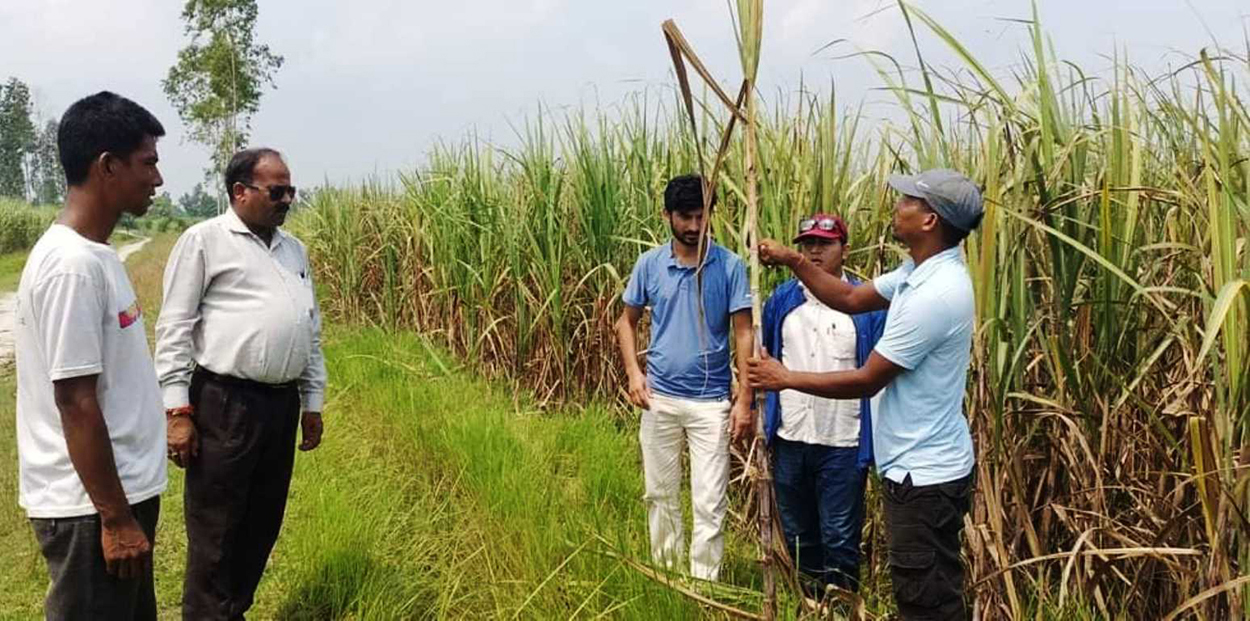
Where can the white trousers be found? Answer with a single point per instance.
(665, 427)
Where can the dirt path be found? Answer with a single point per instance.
(8, 303)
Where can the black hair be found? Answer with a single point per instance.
(684, 194)
(243, 164)
(951, 234)
(99, 123)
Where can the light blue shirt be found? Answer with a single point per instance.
(920, 429)
(686, 359)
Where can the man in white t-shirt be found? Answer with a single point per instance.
(90, 430)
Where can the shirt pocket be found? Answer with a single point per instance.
(842, 342)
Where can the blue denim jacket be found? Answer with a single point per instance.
(868, 328)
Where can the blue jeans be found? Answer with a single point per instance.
(820, 495)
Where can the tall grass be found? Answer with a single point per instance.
(1108, 391)
(21, 224)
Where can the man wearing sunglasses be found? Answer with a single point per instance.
(238, 356)
(921, 442)
(821, 447)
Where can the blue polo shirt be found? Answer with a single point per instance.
(920, 427)
(685, 359)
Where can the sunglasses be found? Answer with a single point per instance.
(276, 192)
(824, 224)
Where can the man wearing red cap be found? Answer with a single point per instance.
(822, 448)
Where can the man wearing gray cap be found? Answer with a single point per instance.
(921, 440)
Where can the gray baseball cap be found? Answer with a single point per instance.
(952, 195)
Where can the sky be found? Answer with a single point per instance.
(368, 86)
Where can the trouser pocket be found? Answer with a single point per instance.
(913, 569)
(923, 524)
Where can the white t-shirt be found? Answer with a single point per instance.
(77, 315)
(818, 339)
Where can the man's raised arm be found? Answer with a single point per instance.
(829, 289)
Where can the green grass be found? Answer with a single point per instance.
(11, 264)
(24, 578)
(435, 495)
(21, 224)
(442, 496)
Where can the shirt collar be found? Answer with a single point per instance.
(929, 267)
(235, 224)
(670, 257)
(811, 299)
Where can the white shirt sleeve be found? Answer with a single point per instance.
(312, 382)
(71, 310)
(184, 285)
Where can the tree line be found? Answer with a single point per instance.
(215, 84)
(30, 169)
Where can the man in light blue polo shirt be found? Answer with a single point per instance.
(685, 391)
(923, 447)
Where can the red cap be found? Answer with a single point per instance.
(822, 225)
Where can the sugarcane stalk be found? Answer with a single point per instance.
(763, 465)
(750, 18)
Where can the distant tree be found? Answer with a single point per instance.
(197, 203)
(47, 176)
(162, 207)
(216, 83)
(17, 137)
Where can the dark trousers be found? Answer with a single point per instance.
(923, 525)
(81, 587)
(820, 496)
(235, 490)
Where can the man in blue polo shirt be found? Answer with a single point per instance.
(685, 391)
(920, 436)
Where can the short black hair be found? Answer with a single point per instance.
(951, 234)
(685, 194)
(243, 164)
(99, 123)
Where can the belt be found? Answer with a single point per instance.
(231, 380)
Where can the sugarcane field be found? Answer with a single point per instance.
(785, 310)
